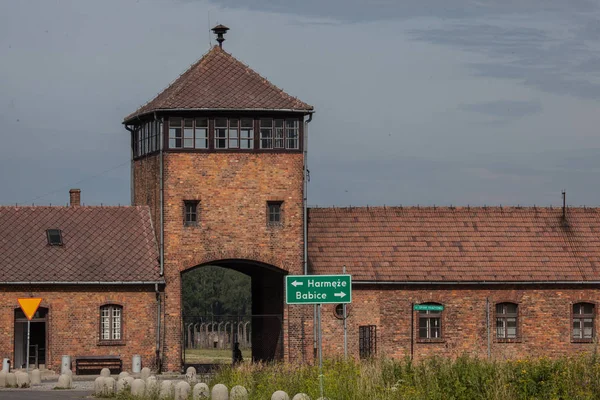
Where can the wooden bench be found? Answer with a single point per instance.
(92, 365)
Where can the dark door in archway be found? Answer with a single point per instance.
(37, 338)
(227, 303)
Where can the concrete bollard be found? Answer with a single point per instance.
(6, 365)
(200, 391)
(22, 379)
(219, 392)
(145, 373)
(138, 388)
(11, 379)
(190, 375)
(105, 372)
(152, 387)
(280, 395)
(136, 364)
(123, 385)
(166, 389)
(238, 393)
(182, 390)
(108, 390)
(301, 396)
(98, 386)
(36, 377)
(65, 364)
(2, 379)
(123, 374)
(64, 382)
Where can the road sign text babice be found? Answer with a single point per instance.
(318, 289)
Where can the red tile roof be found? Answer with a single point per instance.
(456, 244)
(101, 244)
(218, 81)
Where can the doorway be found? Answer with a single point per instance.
(37, 339)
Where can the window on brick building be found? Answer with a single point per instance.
(583, 321)
(279, 133)
(430, 321)
(506, 320)
(190, 217)
(188, 133)
(111, 322)
(367, 341)
(274, 211)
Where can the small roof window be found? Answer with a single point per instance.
(54, 237)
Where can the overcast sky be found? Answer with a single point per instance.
(417, 102)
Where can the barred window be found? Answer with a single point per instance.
(583, 321)
(274, 212)
(506, 320)
(367, 341)
(111, 327)
(190, 212)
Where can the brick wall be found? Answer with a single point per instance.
(233, 190)
(73, 326)
(544, 321)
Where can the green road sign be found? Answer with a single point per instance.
(428, 307)
(318, 289)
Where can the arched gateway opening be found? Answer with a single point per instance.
(227, 302)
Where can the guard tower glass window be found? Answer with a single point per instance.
(279, 133)
(191, 212)
(274, 212)
(266, 133)
(506, 320)
(146, 138)
(291, 133)
(111, 327)
(201, 133)
(430, 323)
(221, 131)
(583, 321)
(175, 133)
(247, 134)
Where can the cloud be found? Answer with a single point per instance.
(508, 109)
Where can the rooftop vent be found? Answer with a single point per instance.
(220, 30)
(54, 237)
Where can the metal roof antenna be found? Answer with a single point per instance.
(220, 30)
(564, 196)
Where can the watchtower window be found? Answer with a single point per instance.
(279, 133)
(191, 212)
(188, 133)
(274, 212)
(54, 237)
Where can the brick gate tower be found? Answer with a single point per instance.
(219, 157)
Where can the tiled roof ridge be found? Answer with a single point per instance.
(187, 70)
(452, 208)
(174, 88)
(67, 206)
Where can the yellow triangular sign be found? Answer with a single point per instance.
(29, 306)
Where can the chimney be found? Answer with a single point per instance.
(75, 197)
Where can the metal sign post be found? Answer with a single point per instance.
(318, 290)
(29, 307)
(345, 324)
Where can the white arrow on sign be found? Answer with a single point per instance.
(340, 294)
(296, 283)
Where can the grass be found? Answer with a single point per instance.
(464, 378)
(213, 356)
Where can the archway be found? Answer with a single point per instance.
(231, 301)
